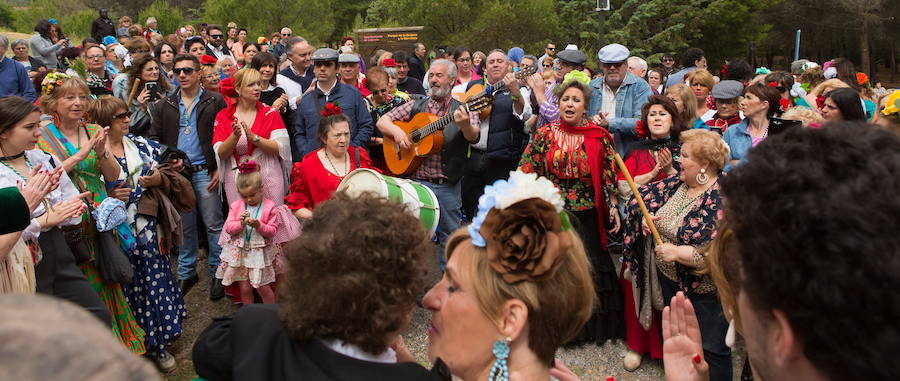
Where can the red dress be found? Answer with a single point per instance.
(638, 163)
(311, 183)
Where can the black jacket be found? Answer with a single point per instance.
(102, 27)
(416, 68)
(253, 345)
(165, 125)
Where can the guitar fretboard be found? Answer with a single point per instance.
(432, 127)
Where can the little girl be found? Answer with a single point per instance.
(250, 255)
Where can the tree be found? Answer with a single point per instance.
(168, 18)
(313, 19)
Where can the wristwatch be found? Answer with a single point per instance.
(256, 139)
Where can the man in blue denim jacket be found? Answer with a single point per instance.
(618, 97)
(325, 89)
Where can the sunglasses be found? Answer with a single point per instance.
(285, 34)
(185, 70)
(216, 36)
(546, 65)
(554, 49)
(122, 115)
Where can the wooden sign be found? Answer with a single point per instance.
(388, 39)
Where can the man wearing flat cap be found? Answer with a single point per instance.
(568, 60)
(348, 71)
(324, 89)
(618, 97)
(727, 95)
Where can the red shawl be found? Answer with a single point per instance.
(596, 152)
(267, 120)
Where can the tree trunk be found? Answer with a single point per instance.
(864, 48)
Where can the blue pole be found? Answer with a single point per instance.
(797, 46)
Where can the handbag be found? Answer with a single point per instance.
(74, 237)
(112, 262)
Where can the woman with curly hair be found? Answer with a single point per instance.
(322, 329)
(578, 157)
(685, 208)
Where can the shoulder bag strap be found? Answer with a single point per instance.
(54, 143)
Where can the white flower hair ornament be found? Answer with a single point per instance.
(523, 226)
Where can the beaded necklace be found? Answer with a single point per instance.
(347, 167)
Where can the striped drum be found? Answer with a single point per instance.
(418, 199)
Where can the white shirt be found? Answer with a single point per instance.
(486, 123)
(609, 101)
(293, 89)
(350, 350)
(65, 191)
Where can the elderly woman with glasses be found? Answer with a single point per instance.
(99, 79)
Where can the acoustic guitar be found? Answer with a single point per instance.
(425, 130)
(478, 89)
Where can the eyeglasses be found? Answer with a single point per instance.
(547, 65)
(216, 36)
(668, 60)
(286, 34)
(613, 64)
(122, 115)
(95, 57)
(549, 48)
(185, 70)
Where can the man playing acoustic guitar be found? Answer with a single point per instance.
(440, 171)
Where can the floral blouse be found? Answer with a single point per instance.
(561, 157)
(697, 228)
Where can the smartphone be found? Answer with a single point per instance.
(153, 89)
(778, 125)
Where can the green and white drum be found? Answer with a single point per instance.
(418, 199)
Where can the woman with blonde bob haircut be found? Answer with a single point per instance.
(518, 285)
(685, 102)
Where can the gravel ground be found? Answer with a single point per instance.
(591, 362)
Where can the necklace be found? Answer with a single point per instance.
(27, 164)
(346, 167)
(13, 157)
(684, 202)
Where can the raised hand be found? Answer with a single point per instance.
(682, 343)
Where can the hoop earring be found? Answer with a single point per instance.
(702, 177)
(500, 370)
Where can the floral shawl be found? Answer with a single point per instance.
(698, 228)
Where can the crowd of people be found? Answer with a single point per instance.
(671, 207)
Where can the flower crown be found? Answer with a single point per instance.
(52, 80)
(892, 105)
(330, 109)
(521, 224)
(248, 167)
(577, 75)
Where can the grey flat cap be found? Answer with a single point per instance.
(348, 58)
(727, 89)
(613, 53)
(572, 56)
(325, 54)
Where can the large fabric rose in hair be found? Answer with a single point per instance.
(525, 240)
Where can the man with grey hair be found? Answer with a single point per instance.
(637, 66)
(300, 71)
(13, 76)
(503, 137)
(281, 46)
(441, 171)
(417, 62)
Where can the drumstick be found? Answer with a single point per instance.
(640, 200)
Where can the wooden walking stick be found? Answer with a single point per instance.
(640, 200)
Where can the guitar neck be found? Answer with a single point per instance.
(432, 127)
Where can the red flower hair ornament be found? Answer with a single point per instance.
(330, 109)
(642, 131)
(226, 87)
(248, 167)
(773, 84)
(207, 60)
(389, 62)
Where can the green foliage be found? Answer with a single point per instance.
(168, 18)
(312, 19)
(72, 15)
(6, 15)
